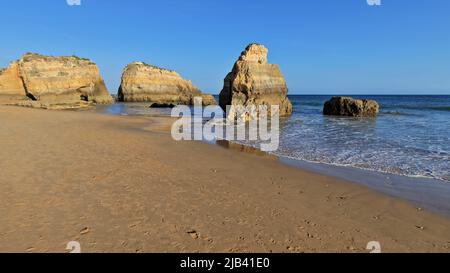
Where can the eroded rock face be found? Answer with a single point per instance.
(253, 81)
(61, 81)
(346, 106)
(11, 85)
(142, 82)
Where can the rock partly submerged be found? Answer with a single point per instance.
(142, 82)
(347, 106)
(53, 83)
(254, 82)
(162, 105)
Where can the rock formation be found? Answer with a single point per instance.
(142, 82)
(346, 106)
(208, 99)
(162, 105)
(255, 82)
(42, 81)
(11, 85)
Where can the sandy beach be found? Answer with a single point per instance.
(121, 184)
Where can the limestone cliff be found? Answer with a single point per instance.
(142, 82)
(253, 81)
(54, 80)
(11, 85)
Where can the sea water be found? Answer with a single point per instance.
(410, 136)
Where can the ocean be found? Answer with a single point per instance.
(404, 152)
(410, 136)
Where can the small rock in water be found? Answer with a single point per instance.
(162, 105)
(346, 106)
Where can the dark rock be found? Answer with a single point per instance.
(346, 106)
(162, 105)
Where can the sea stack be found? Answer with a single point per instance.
(53, 82)
(142, 82)
(253, 81)
(346, 106)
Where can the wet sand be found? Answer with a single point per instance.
(432, 194)
(121, 184)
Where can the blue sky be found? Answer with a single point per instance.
(322, 46)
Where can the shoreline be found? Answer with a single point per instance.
(424, 192)
(115, 184)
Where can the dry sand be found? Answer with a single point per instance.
(121, 184)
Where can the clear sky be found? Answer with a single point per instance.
(322, 46)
